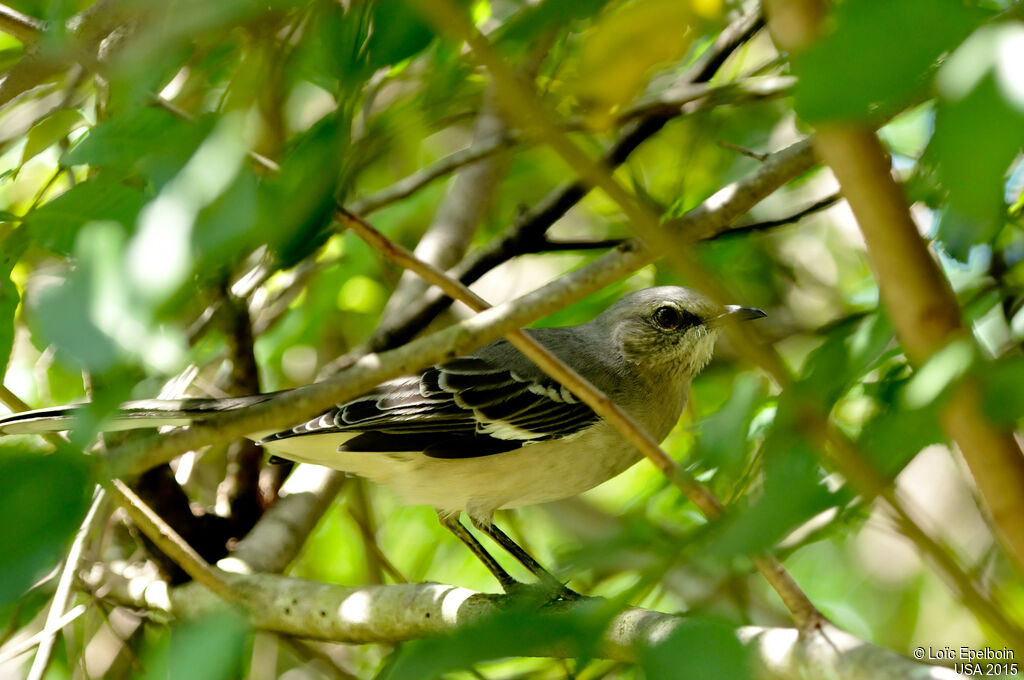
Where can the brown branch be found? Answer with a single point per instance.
(916, 294)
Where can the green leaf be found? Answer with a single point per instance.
(398, 33)
(43, 499)
(49, 131)
(976, 138)
(878, 57)
(623, 47)
(214, 647)
(55, 224)
(124, 138)
(11, 248)
(723, 434)
(515, 631)
(698, 649)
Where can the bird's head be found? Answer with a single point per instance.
(669, 328)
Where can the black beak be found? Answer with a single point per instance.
(740, 313)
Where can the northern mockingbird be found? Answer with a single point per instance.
(490, 430)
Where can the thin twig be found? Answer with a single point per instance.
(817, 206)
(421, 178)
(741, 150)
(62, 596)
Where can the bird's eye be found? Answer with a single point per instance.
(668, 318)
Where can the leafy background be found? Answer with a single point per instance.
(197, 165)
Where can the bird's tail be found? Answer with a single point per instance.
(129, 416)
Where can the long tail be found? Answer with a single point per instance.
(130, 415)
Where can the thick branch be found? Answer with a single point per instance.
(396, 613)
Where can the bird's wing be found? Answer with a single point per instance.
(464, 408)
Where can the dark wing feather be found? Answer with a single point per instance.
(464, 408)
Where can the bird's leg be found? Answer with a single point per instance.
(450, 521)
(525, 559)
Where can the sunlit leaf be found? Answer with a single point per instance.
(49, 131)
(624, 46)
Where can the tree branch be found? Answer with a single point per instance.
(397, 613)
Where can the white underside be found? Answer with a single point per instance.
(535, 473)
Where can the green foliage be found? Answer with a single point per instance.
(878, 56)
(698, 648)
(138, 237)
(210, 648)
(43, 499)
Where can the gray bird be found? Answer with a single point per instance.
(490, 430)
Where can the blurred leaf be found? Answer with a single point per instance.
(942, 369)
(398, 33)
(122, 139)
(876, 59)
(49, 131)
(43, 499)
(723, 434)
(624, 46)
(698, 649)
(224, 229)
(515, 631)
(214, 647)
(976, 138)
(1001, 382)
(147, 140)
(296, 204)
(55, 224)
(11, 248)
(533, 20)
